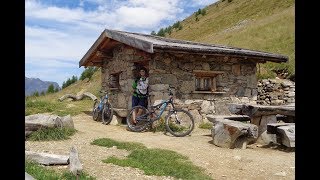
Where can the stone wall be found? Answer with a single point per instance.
(123, 63)
(236, 84)
(276, 92)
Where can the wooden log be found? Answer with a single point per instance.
(67, 121)
(74, 97)
(233, 134)
(36, 121)
(46, 158)
(75, 165)
(79, 97)
(259, 110)
(88, 94)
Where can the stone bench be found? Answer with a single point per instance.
(285, 133)
(233, 134)
(262, 115)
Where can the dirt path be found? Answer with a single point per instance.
(220, 163)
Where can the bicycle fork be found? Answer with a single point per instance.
(177, 120)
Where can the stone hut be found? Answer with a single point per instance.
(205, 77)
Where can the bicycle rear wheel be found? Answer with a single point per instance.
(179, 122)
(142, 119)
(95, 110)
(107, 113)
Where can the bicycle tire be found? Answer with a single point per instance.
(182, 126)
(95, 111)
(140, 125)
(107, 113)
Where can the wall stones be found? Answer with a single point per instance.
(275, 92)
(236, 84)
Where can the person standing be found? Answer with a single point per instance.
(140, 94)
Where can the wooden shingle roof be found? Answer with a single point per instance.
(102, 48)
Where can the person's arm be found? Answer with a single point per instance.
(134, 84)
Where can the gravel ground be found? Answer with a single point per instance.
(255, 162)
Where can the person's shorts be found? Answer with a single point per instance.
(139, 101)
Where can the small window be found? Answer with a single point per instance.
(206, 80)
(114, 81)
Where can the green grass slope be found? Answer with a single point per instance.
(265, 25)
(50, 104)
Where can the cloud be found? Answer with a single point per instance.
(59, 33)
(50, 43)
(202, 2)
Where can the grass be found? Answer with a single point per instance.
(207, 125)
(50, 104)
(51, 134)
(269, 26)
(40, 172)
(36, 105)
(106, 142)
(155, 161)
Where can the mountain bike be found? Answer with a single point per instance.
(178, 122)
(102, 109)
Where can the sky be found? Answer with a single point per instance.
(59, 32)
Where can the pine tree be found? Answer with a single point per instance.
(56, 89)
(50, 89)
(35, 94)
(161, 32)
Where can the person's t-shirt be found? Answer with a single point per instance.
(142, 86)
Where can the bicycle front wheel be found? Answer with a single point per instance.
(107, 113)
(95, 111)
(179, 123)
(142, 118)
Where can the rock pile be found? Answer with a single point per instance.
(276, 92)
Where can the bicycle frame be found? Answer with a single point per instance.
(103, 100)
(161, 106)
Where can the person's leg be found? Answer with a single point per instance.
(135, 102)
(141, 102)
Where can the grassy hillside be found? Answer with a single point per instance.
(50, 104)
(266, 25)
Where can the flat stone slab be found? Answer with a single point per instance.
(233, 134)
(261, 110)
(284, 131)
(121, 112)
(212, 118)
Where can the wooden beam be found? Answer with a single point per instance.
(102, 54)
(207, 73)
(256, 59)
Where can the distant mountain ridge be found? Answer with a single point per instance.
(35, 84)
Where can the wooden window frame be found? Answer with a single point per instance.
(116, 84)
(206, 81)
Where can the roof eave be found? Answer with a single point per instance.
(272, 57)
(84, 60)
